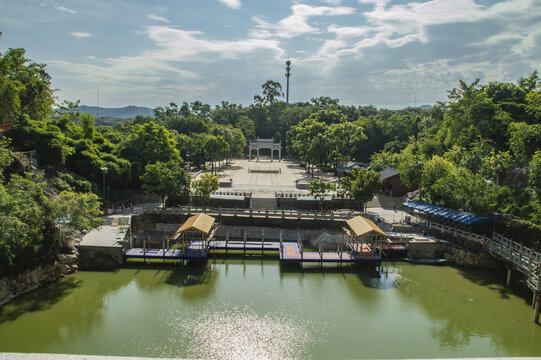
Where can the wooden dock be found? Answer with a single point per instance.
(244, 245)
(194, 251)
(292, 252)
(138, 253)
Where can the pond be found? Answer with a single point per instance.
(257, 310)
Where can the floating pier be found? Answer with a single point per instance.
(194, 240)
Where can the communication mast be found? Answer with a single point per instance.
(288, 74)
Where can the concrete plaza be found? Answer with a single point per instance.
(263, 178)
(282, 176)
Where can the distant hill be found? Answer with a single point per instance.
(425, 107)
(128, 112)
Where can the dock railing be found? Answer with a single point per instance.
(522, 258)
(257, 213)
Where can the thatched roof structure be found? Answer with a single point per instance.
(362, 226)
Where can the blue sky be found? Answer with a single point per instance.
(390, 54)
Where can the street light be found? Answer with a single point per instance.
(104, 169)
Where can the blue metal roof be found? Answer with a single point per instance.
(450, 214)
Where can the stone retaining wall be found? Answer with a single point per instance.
(13, 286)
(471, 259)
(100, 257)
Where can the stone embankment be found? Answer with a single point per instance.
(471, 259)
(11, 287)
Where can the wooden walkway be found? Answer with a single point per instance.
(334, 215)
(392, 249)
(194, 251)
(284, 251)
(291, 252)
(244, 245)
(518, 256)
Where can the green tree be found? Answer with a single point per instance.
(247, 126)
(87, 125)
(271, 91)
(5, 157)
(216, 148)
(434, 169)
(31, 223)
(524, 140)
(534, 175)
(472, 114)
(410, 165)
(148, 144)
(345, 138)
(362, 185)
(328, 116)
(166, 179)
(319, 189)
(78, 211)
(205, 185)
(383, 159)
(25, 88)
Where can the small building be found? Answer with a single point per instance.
(365, 237)
(391, 183)
(365, 230)
(349, 167)
(194, 235)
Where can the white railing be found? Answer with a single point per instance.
(524, 259)
(257, 213)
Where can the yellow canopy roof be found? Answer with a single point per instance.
(200, 222)
(362, 226)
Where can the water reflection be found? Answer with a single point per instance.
(233, 332)
(38, 300)
(462, 311)
(380, 278)
(72, 306)
(257, 309)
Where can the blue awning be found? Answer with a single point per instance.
(449, 214)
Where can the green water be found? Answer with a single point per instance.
(255, 310)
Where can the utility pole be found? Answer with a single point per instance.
(288, 74)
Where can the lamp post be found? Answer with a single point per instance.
(104, 169)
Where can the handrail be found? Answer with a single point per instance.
(523, 258)
(256, 213)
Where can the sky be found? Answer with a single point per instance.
(390, 54)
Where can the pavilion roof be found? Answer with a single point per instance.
(200, 222)
(362, 226)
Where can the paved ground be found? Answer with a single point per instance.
(109, 234)
(387, 208)
(279, 176)
(264, 185)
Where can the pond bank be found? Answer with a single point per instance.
(32, 279)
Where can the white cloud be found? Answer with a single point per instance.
(80, 34)
(375, 2)
(157, 18)
(397, 25)
(297, 23)
(59, 7)
(160, 75)
(332, 2)
(188, 45)
(233, 4)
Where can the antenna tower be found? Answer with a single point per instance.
(288, 74)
